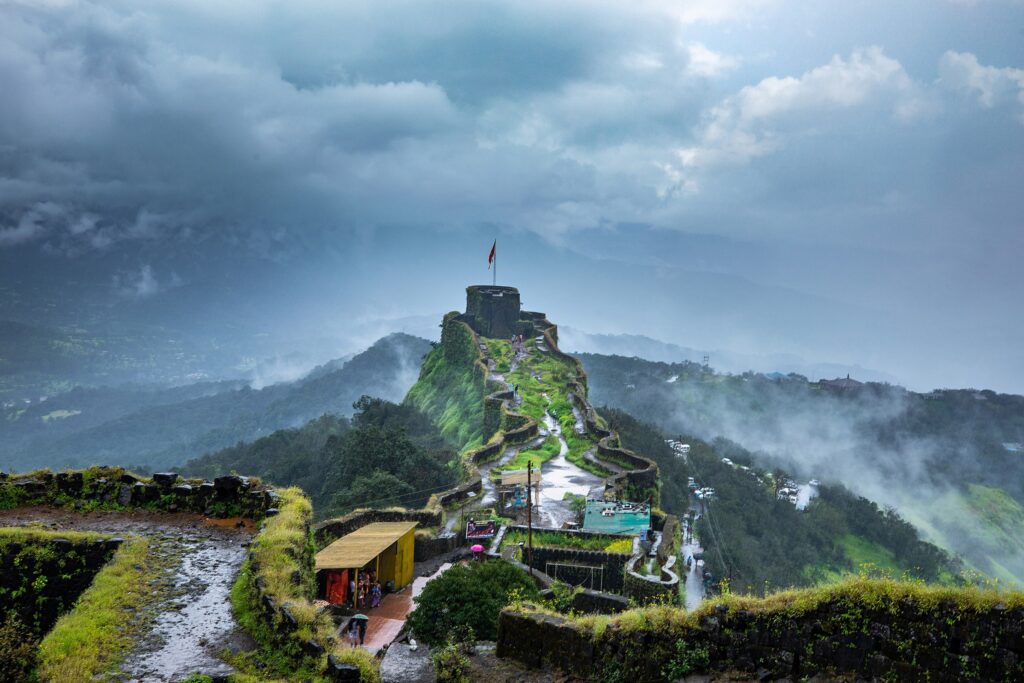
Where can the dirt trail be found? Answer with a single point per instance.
(191, 622)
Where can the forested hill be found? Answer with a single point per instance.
(153, 429)
(761, 542)
(387, 454)
(947, 460)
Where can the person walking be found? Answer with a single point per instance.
(362, 629)
(352, 635)
(375, 595)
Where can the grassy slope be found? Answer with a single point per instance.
(550, 393)
(452, 395)
(989, 520)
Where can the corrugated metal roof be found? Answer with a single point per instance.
(513, 477)
(354, 550)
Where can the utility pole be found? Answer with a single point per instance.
(529, 515)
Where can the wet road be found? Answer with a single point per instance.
(191, 622)
(695, 576)
(558, 477)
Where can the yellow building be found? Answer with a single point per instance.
(383, 548)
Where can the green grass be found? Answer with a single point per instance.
(501, 352)
(89, 640)
(451, 394)
(32, 534)
(860, 551)
(553, 539)
(578, 446)
(891, 595)
(537, 456)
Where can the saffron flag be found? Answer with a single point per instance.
(490, 257)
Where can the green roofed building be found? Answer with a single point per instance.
(617, 517)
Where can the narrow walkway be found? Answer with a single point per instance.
(695, 576)
(388, 620)
(191, 623)
(559, 476)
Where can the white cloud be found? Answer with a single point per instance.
(756, 120)
(141, 283)
(706, 62)
(992, 85)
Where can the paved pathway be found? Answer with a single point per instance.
(387, 621)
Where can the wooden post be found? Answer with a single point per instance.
(529, 515)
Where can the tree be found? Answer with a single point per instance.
(469, 595)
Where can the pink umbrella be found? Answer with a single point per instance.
(477, 548)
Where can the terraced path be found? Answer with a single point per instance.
(190, 623)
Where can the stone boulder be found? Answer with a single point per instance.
(165, 479)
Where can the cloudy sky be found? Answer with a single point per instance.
(842, 181)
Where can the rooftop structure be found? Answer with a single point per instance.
(495, 311)
(617, 517)
(383, 548)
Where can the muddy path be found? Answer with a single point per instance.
(190, 624)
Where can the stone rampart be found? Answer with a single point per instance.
(496, 415)
(42, 573)
(116, 488)
(592, 569)
(884, 634)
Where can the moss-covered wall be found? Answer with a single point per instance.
(115, 488)
(493, 311)
(871, 629)
(43, 573)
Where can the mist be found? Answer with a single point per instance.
(937, 458)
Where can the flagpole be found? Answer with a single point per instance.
(495, 280)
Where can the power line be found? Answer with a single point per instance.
(409, 494)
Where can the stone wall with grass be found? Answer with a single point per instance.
(512, 427)
(577, 567)
(115, 488)
(273, 595)
(876, 629)
(87, 640)
(42, 573)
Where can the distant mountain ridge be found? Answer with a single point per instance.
(159, 432)
(648, 348)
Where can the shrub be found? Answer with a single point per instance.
(17, 650)
(470, 596)
(688, 658)
(450, 665)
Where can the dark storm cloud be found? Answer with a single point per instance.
(888, 141)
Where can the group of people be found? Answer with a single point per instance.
(368, 593)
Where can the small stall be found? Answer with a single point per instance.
(384, 549)
(511, 487)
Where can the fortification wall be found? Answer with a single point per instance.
(115, 488)
(495, 404)
(42, 574)
(887, 635)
